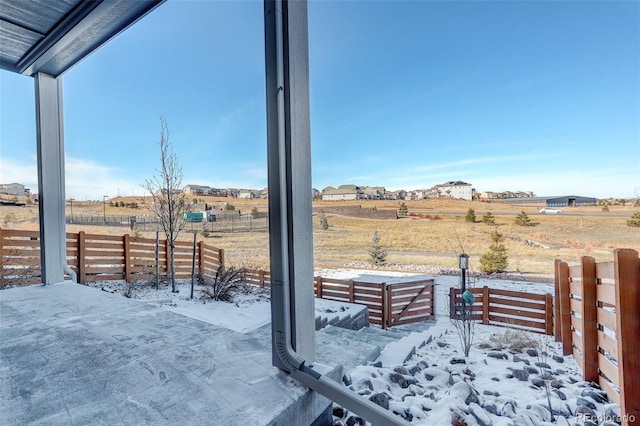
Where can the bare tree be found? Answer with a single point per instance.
(168, 202)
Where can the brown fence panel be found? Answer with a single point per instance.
(103, 257)
(410, 302)
(212, 259)
(604, 300)
(627, 281)
(19, 257)
(516, 309)
(141, 260)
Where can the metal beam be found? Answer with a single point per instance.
(50, 150)
(88, 26)
(289, 173)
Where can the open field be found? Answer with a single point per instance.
(409, 241)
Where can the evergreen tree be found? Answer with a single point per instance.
(635, 220)
(495, 260)
(324, 223)
(489, 219)
(523, 220)
(471, 216)
(403, 210)
(377, 254)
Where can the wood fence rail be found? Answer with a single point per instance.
(515, 309)
(388, 304)
(598, 322)
(104, 257)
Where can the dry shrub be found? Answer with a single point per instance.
(224, 285)
(515, 341)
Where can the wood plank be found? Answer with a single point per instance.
(612, 394)
(518, 313)
(520, 303)
(607, 319)
(9, 233)
(8, 244)
(606, 294)
(608, 344)
(104, 270)
(604, 271)
(577, 341)
(575, 305)
(515, 321)
(627, 276)
(91, 238)
(609, 370)
(516, 294)
(575, 288)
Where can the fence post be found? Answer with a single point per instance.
(589, 319)
(548, 314)
(557, 324)
(167, 258)
(318, 287)
(389, 304)
(201, 259)
(352, 292)
(452, 302)
(485, 305)
(220, 257)
(565, 308)
(127, 258)
(386, 306)
(626, 267)
(82, 267)
(1, 260)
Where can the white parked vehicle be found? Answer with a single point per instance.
(546, 210)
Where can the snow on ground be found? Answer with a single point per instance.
(424, 377)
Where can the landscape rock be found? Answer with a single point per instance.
(597, 395)
(402, 380)
(381, 399)
(586, 402)
(542, 365)
(531, 370)
(521, 375)
(346, 379)
(481, 416)
(516, 358)
(355, 420)
(532, 352)
(557, 358)
(457, 361)
(497, 355)
(559, 394)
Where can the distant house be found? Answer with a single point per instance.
(16, 189)
(453, 189)
(554, 201)
(248, 193)
(196, 190)
(400, 194)
(343, 193)
(374, 192)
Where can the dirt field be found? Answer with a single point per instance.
(431, 241)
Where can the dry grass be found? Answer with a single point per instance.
(408, 241)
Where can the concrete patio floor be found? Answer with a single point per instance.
(74, 355)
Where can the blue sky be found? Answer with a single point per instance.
(507, 95)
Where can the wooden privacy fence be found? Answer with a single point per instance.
(598, 322)
(388, 304)
(104, 257)
(516, 309)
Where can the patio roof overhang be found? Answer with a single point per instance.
(53, 36)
